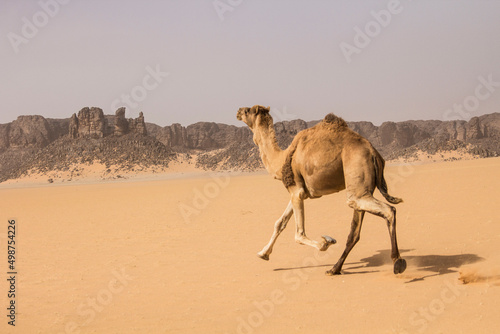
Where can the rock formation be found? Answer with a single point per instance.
(177, 136)
(121, 124)
(174, 136)
(137, 125)
(73, 127)
(92, 123)
(217, 145)
(29, 131)
(4, 136)
(475, 129)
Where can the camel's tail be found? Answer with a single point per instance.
(379, 163)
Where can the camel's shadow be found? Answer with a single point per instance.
(432, 265)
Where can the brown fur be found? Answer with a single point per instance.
(287, 172)
(334, 121)
(321, 160)
(265, 120)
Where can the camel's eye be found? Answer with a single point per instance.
(246, 111)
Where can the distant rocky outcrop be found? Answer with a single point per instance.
(480, 137)
(28, 131)
(138, 125)
(475, 129)
(198, 136)
(92, 123)
(121, 123)
(73, 127)
(35, 142)
(90, 135)
(393, 139)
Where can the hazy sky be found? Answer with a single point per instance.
(185, 61)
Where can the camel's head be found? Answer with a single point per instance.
(253, 116)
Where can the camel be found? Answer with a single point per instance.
(322, 160)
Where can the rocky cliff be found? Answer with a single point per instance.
(92, 123)
(230, 147)
(198, 136)
(30, 131)
(36, 143)
(90, 135)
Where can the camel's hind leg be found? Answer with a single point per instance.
(279, 226)
(357, 221)
(372, 205)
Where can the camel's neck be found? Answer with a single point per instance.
(272, 156)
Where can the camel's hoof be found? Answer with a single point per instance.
(328, 241)
(332, 272)
(263, 256)
(399, 266)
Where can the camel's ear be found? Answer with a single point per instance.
(261, 110)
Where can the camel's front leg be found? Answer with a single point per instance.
(300, 232)
(279, 226)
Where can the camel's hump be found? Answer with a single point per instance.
(334, 120)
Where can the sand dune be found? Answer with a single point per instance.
(178, 255)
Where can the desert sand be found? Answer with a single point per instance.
(178, 255)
